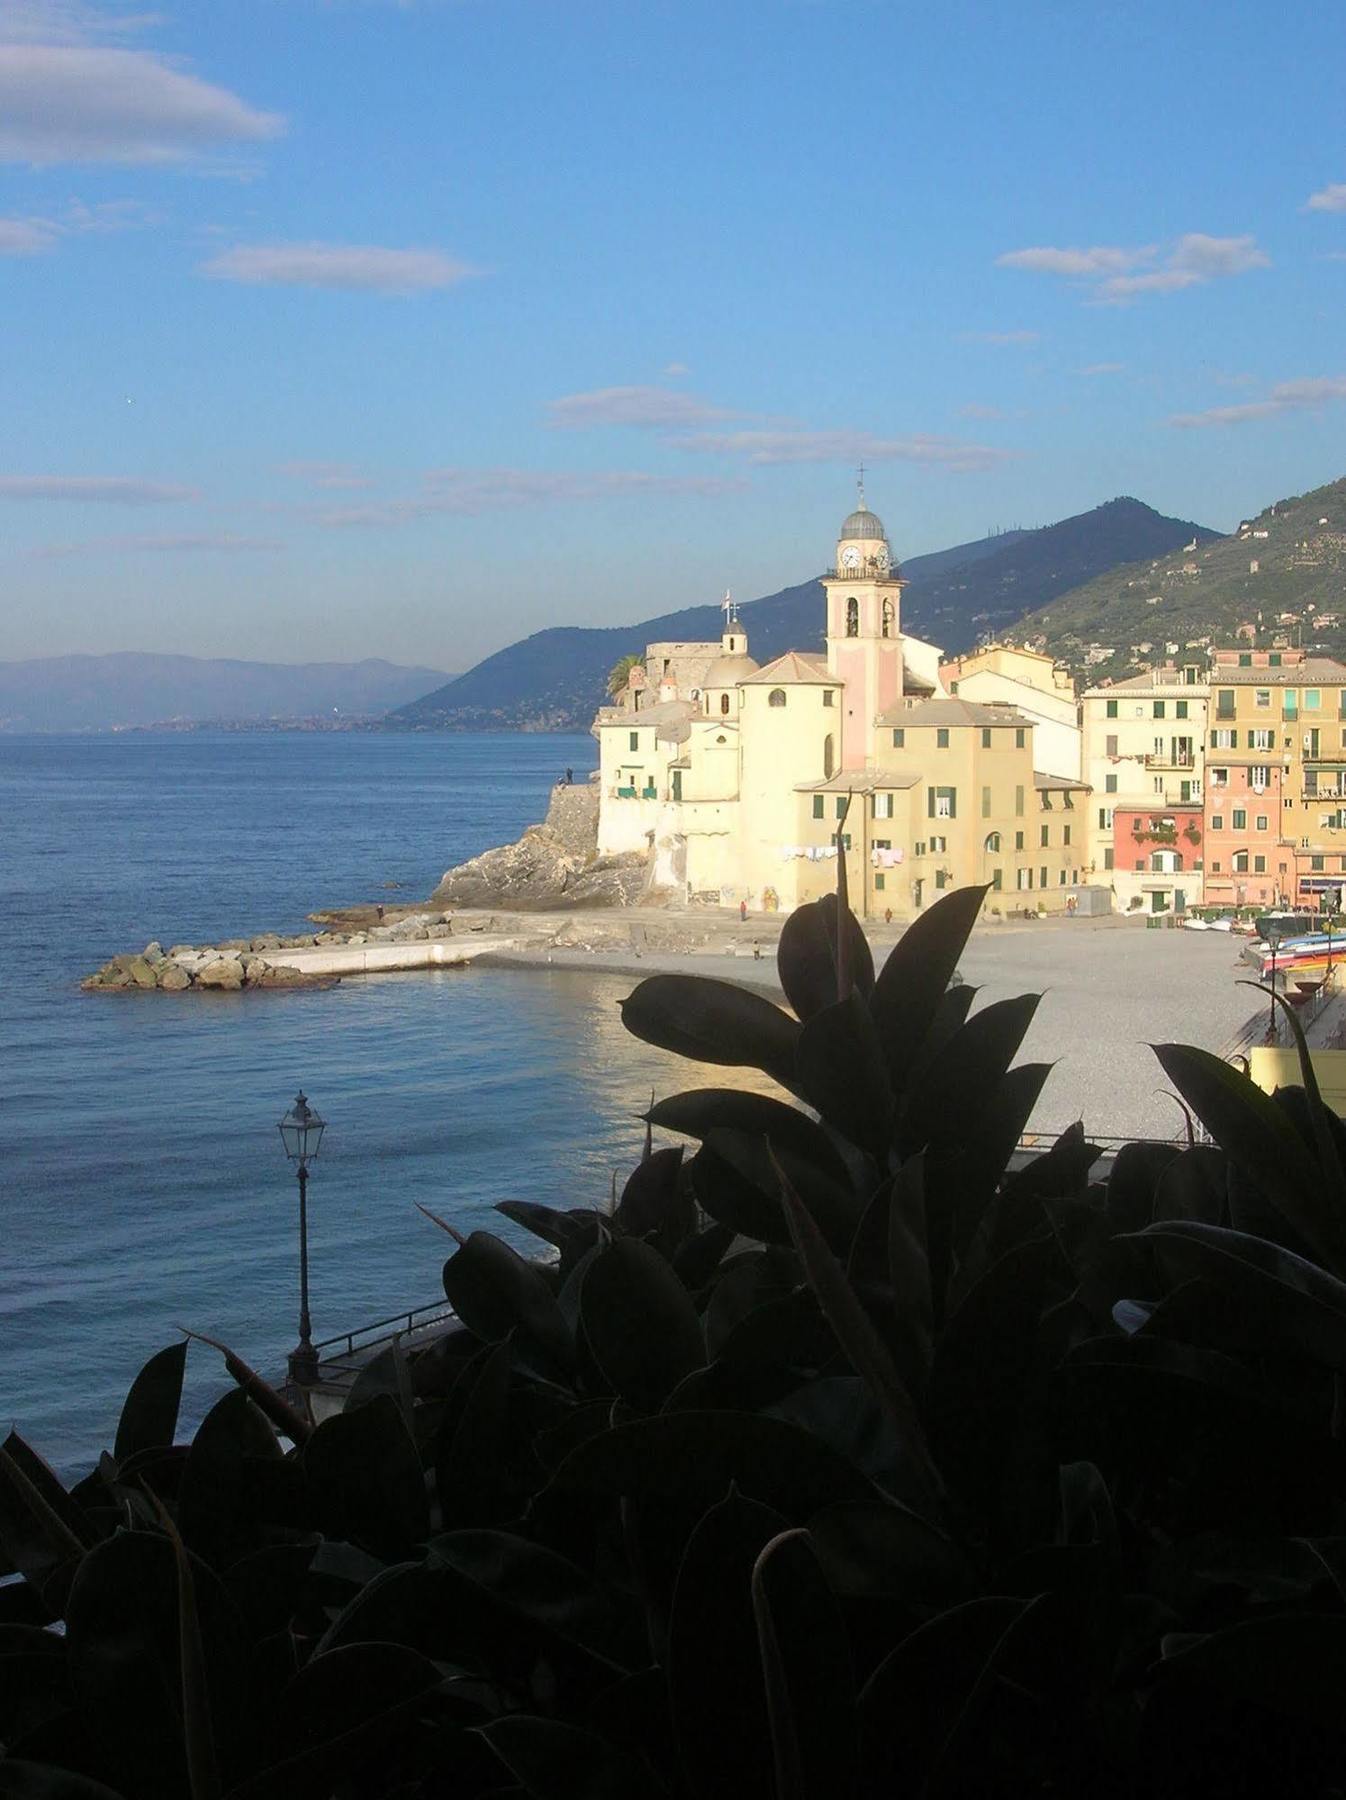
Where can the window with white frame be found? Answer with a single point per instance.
(1259, 776)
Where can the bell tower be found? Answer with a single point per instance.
(864, 628)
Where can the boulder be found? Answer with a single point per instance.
(153, 951)
(253, 966)
(267, 941)
(172, 977)
(234, 944)
(137, 971)
(225, 973)
(182, 949)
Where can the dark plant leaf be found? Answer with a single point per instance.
(555, 1761)
(364, 1478)
(471, 1449)
(494, 1291)
(911, 984)
(640, 1323)
(714, 1022)
(806, 955)
(696, 1259)
(150, 1414)
(806, 1667)
(701, 1111)
(40, 1781)
(843, 1073)
(1252, 1130)
(213, 1515)
(887, 1552)
(539, 1589)
(735, 1184)
(1133, 1183)
(655, 1200)
(42, 1531)
(571, 1232)
(1289, 1664)
(947, 1098)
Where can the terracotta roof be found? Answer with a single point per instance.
(1152, 678)
(1060, 784)
(793, 666)
(860, 781)
(1313, 669)
(952, 712)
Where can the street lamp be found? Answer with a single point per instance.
(301, 1132)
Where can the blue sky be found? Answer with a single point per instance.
(336, 328)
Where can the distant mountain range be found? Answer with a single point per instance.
(1289, 560)
(556, 679)
(131, 689)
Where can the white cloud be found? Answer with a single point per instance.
(1100, 259)
(801, 446)
(354, 268)
(169, 543)
(75, 103)
(1305, 393)
(25, 237)
(474, 491)
(326, 475)
(111, 490)
(675, 369)
(66, 22)
(645, 406)
(1115, 275)
(1101, 368)
(1332, 198)
(999, 337)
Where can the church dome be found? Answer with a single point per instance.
(862, 524)
(725, 671)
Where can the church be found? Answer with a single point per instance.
(735, 777)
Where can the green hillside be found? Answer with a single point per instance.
(1283, 572)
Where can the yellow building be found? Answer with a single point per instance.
(737, 789)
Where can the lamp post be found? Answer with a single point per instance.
(301, 1133)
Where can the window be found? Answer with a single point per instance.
(920, 850)
(635, 740)
(1224, 703)
(1217, 822)
(724, 703)
(1105, 818)
(1111, 709)
(1109, 784)
(883, 806)
(899, 739)
(941, 803)
(1290, 703)
(1018, 840)
(938, 845)
(986, 803)
(817, 806)
(1065, 836)
(1107, 857)
(1042, 878)
(1215, 868)
(878, 883)
(995, 880)
(1140, 865)
(852, 618)
(829, 696)
(986, 737)
(1019, 737)
(992, 843)
(829, 756)
(1023, 878)
(1316, 864)
(1259, 775)
(1159, 709)
(1240, 862)
(1061, 878)
(1222, 740)
(1313, 699)
(1240, 819)
(845, 840)
(883, 843)
(1260, 822)
(841, 805)
(1259, 865)
(1179, 709)
(1018, 803)
(1261, 740)
(1110, 745)
(1245, 659)
(1274, 660)
(941, 876)
(887, 618)
(776, 697)
(1261, 696)
(1045, 837)
(942, 738)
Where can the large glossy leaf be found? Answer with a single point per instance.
(735, 1183)
(1249, 1126)
(470, 1454)
(713, 1022)
(214, 1514)
(640, 1323)
(42, 1530)
(912, 982)
(540, 1590)
(700, 1111)
(552, 1760)
(655, 1201)
(1134, 1181)
(843, 1073)
(494, 1291)
(571, 1232)
(40, 1781)
(806, 1666)
(865, 1349)
(714, 1664)
(1290, 1664)
(364, 1478)
(807, 960)
(946, 1098)
(150, 1413)
(1288, 1295)
(692, 1457)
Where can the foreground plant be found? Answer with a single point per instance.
(839, 1458)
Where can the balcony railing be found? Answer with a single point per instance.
(633, 793)
(1170, 759)
(1325, 756)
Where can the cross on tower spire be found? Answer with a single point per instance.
(860, 486)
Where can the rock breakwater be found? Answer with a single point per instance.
(268, 960)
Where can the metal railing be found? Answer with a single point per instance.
(383, 1331)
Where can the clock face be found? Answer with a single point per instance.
(850, 557)
(881, 557)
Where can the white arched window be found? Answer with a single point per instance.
(852, 617)
(776, 697)
(992, 842)
(888, 618)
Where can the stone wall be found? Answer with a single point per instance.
(572, 814)
(555, 864)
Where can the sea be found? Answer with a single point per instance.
(143, 1184)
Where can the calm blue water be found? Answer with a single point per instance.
(143, 1178)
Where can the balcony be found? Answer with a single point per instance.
(1170, 759)
(1326, 756)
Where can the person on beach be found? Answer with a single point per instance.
(743, 912)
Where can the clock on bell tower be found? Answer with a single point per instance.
(864, 638)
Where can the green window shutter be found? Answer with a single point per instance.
(1019, 738)
(986, 803)
(899, 738)
(1018, 803)
(635, 740)
(986, 737)
(1111, 709)
(930, 803)
(942, 738)
(841, 806)
(817, 806)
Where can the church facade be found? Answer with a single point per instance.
(739, 778)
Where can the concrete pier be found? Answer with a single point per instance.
(383, 959)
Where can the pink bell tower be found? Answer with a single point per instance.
(864, 628)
